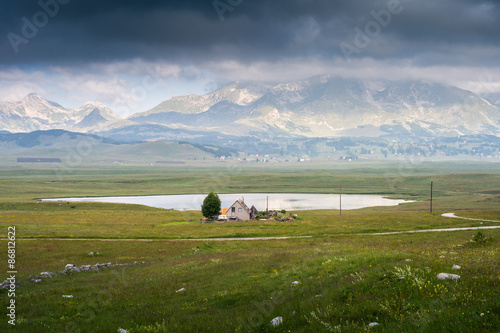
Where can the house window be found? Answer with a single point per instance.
(240, 210)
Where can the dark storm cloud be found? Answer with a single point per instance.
(189, 31)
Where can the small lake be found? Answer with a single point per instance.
(277, 201)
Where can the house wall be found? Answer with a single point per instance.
(239, 212)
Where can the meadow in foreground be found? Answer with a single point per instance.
(338, 280)
(324, 284)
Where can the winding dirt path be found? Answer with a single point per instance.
(466, 218)
(451, 215)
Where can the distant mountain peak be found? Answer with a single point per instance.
(33, 95)
(34, 112)
(94, 118)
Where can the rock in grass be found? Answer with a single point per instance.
(295, 283)
(277, 321)
(36, 281)
(456, 267)
(447, 276)
(85, 268)
(181, 290)
(373, 324)
(69, 267)
(121, 330)
(48, 275)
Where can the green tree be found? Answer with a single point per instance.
(211, 205)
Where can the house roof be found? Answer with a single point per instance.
(242, 204)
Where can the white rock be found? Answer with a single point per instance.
(295, 283)
(68, 296)
(408, 260)
(277, 321)
(69, 266)
(456, 267)
(373, 324)
(447, 276)
(121, 330)
(47, 275)
(181, 290)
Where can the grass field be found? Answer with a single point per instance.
(340, 279)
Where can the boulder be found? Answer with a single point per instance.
(47, 275)
(181, 290)
(447, 276)
(277, 321)
(373, 324)
(456, 267)
(69, 267)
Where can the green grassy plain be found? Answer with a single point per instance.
(346, 279)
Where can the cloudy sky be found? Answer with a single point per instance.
(131, 54)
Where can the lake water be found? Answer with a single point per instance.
(277, 201)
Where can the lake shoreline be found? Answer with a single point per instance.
(262, 201)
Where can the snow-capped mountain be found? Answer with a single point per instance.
(331, 106)
(237, 93)
(35, 113)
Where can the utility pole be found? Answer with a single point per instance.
(340, 199)
(431, 196)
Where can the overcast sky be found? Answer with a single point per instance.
(131, 55)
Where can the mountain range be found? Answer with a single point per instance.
(323, 106)
(36, 113)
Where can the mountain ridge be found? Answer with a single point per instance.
(34, 113)
(321, 106)
(328, 106)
